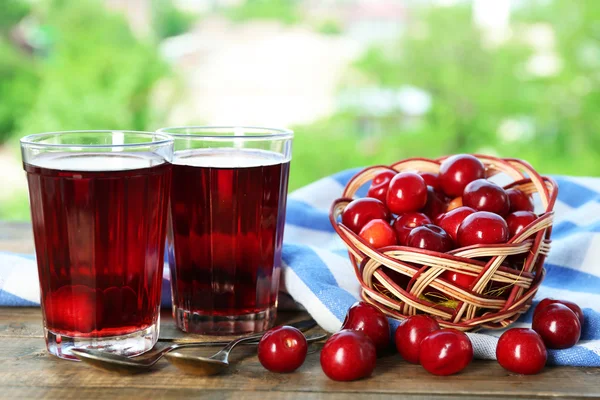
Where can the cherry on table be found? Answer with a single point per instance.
(360, 211)
(522, 351)
(519, 201)
(484, 195)
(558, 326)
(366, 318)
(378, 233)
(518, 220)
(410, 333)
(446, 352)
(451, 220)
(405, 223)
(572, 306)
(348, 355)
(458, 171)
(430, 237)
(482, 227)
(407, 193)
(282, 349)
(379, 186)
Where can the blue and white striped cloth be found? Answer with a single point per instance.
(317, 273)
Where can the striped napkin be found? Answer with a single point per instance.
(318, 276)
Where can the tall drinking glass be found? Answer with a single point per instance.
(99, 203)
(225, 234)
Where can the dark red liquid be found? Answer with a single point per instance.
(99, 238)
(227, 231)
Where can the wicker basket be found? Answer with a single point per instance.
(463, 309)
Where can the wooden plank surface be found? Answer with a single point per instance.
(28, 371)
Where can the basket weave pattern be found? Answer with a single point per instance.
(472, 308)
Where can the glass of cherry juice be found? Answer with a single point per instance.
(99, 202)
(225, 233)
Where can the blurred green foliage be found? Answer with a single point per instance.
(168, 20)
(96, 75)
(286, 11)
(483, 97)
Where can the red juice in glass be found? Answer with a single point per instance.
(99, 223)
(226, 232)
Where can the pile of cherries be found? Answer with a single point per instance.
(351, 353)
(439, 212)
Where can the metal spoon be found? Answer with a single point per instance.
(206, 366)
(119, 363)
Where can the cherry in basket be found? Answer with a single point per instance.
(518, 220)
(360, 211)
(430, 237)
(380, 184)
(482, 227)
(405, 223)
(378, 233)
(407, 193)
(519, 201)
(483, 195)
(458, 171)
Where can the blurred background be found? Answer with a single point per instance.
(360, 81)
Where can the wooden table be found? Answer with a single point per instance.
(28, 371)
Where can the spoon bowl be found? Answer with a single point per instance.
(131, 365)
(206, 366)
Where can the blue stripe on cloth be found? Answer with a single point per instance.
(304, 215)
(562, 278)
(315, 274)
(344, 177)
(577, 356)
(565, 228)
(10, 300)
(574, 194)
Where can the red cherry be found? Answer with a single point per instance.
(282, 349)
(430, 179)
(572, 306)
(519, 201)
(430, 237)
(482, 227)
(74, 309)
(451, 220)
(410, 333)
(518, 220)
(360, 211)
(407, 193)
(522, 351)
(405, 223)
(446, 352)
(380, 184)
(378, 233)
(483, 195)
(348, 355)
(458, 171)
(366, 318)
(460, 280)
(435, 204)
(558, 326)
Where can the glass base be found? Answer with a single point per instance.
(194, 322)
(131, 344)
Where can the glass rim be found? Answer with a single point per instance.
(31, 140)
(274, 133)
